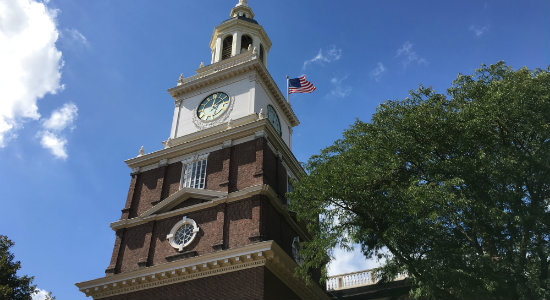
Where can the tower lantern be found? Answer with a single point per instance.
(239, 34)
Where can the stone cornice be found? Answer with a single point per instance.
(215, 136)
(230, 260)
(266, 253)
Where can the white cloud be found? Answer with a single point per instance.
(56, 144)
(479, 30)
(339, 89)
(376, 73)
(62, 117)
(52, 137)
(350, 261)
(30, 62)
(408, 55)
(328, 55)
(40, 294)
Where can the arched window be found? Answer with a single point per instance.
(226, 48)
(262, 53)
(246, 41)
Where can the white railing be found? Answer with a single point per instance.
(221, 65)
(355, 279)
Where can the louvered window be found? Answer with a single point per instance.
(227, 45)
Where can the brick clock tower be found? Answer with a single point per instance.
(206, 217)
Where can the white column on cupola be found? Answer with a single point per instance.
(256, 43)
(236, 47)
(218, 50)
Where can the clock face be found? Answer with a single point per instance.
(213, 106)
(273, 118)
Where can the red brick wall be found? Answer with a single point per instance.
(240, 220)
(147, 190)
(131, 248)
(244, 284)
(228, 169)
(275, 173)
(243, 167)
(233, 225)
(202, 244)
(244, 221)
(217, 170)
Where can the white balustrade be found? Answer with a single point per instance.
(221, 65)
(355, 279)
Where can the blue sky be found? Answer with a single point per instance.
(83, 86)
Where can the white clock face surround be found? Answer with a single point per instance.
(211, 112)
(213, 106)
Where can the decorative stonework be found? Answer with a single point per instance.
(201, 125)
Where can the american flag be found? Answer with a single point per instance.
(300, 85)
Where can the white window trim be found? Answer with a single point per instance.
(172, 236)
(192, 159)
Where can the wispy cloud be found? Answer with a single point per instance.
(325, 56)
(62, 117)
(338, 88)
(52, 137)
(56, 144)
(479, 30)
(74, 37)
(409, 56)
(377, 72)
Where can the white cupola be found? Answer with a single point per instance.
(239, 34)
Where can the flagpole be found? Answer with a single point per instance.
(287, 99)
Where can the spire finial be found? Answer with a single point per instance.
(242, 3)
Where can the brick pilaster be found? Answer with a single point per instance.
(112, 268)
(260, 144)
(130, 197)
(220, 230)
(160, 184)
(145, 250)
(225, 173)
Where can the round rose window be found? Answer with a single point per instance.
(183, 233)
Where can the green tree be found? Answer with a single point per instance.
(455, 187)
(12, 287)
